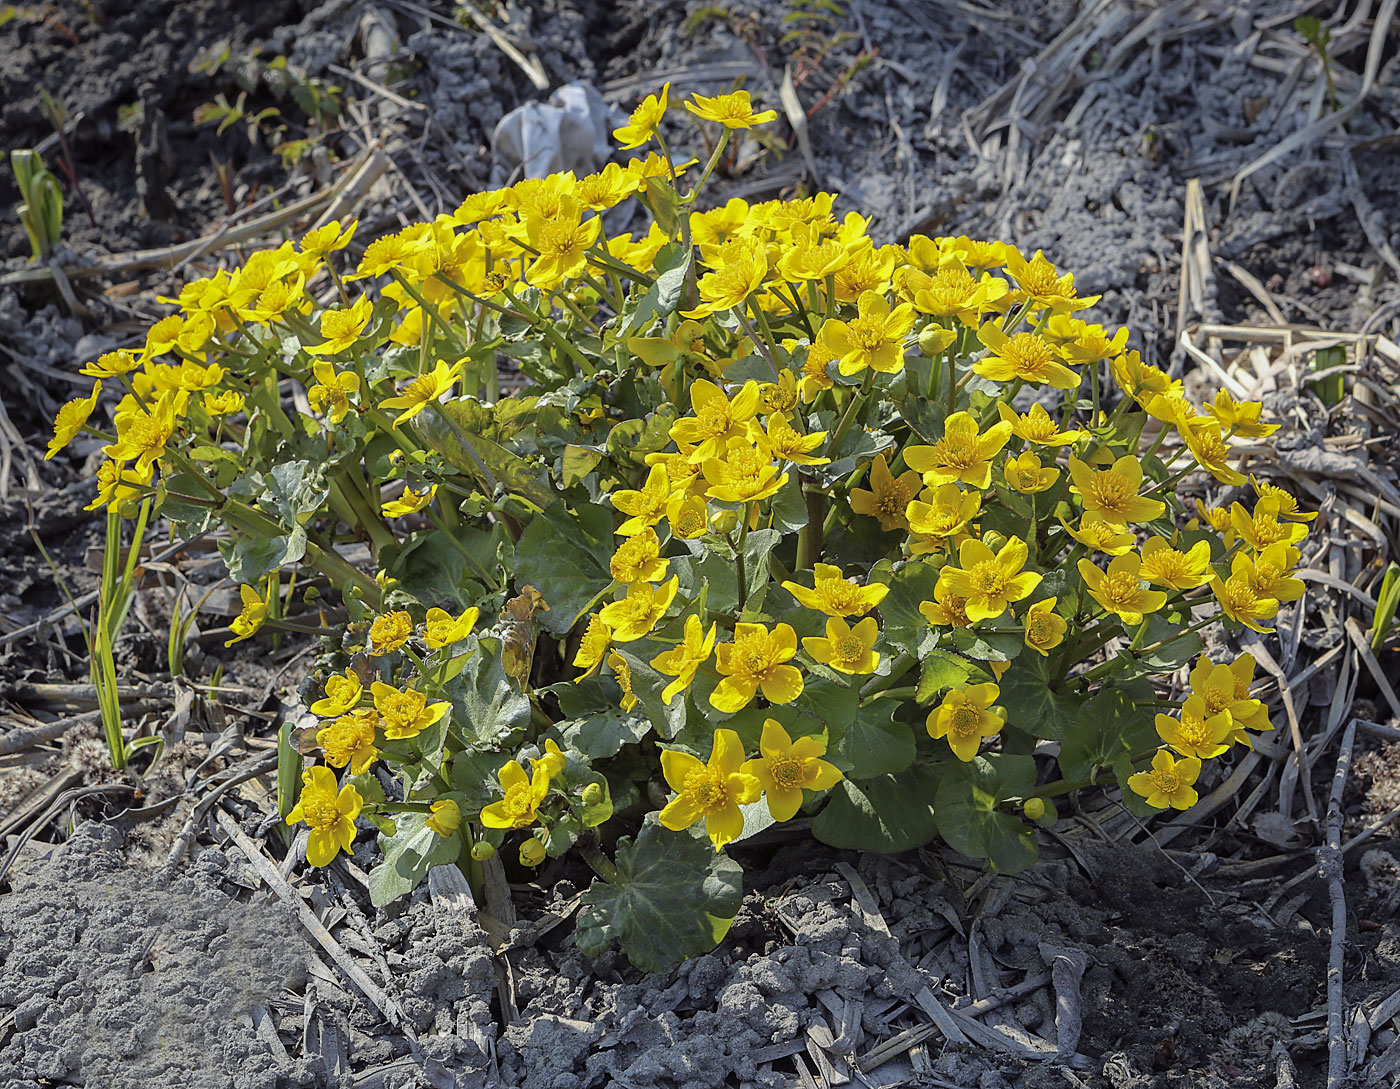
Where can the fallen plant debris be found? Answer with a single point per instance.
(1341, 390)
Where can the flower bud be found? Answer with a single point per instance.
(724, 521)
(445, 817)
(994, 540)
(531, 852)
(592, 794)
(482, 851)
(1034, 808)
(933, 339)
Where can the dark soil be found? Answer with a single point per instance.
(1194, 977)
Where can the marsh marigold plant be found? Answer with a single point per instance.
(780, 522)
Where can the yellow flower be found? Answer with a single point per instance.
(846, 649)
(1169, 783)
(1287, 502)
(757, 659)
(785, 767)
(445, 817)
(741, 272)
(1036, 426)
(888, 497)
(1112, 493)
(1101, 536)
(327, 239)
(553, 761)
(640, 611)
(641, 126)
(1263, 528)
(112, 364)
(349, 739)
(1045, 628)
(118, 486)
(733, 111)
(963, 453)
(684, 659)
(562, 242)
(744, 474)
(331, 394)
(342, 693)
(874, 339)
(1219, 689)
(1196, 732)
(1085, 343)
(71, 419)
(330, 814)
(423, 390)
(713, 791)
(1242, 603)
(624, 680)
(638, 559)
(1121, 590)
(389, 632)
(1041, 283)
(1026, 356)
(791, 446)
(946, 610)
(524, 794)
(406, 712)
(814, 373)
(1240, 417)
(142, 435)
(644, 507)
(989, 581)
(1269, 572)
(593, 644)
(1165, 566)
(224, 403)
(250, 619)
(410, 502)
(1218, 518)
(606, 189)
(1242, 718)
(943, 511)
(715, 418)
(342, 328)
(1025, 474)
(964, 718)
(442, 629)
(404, 253)
(478, 206)
(688, 515)
(836, 595)
(1211, 451)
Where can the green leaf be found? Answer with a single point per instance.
(905, 626)
(565, 556)
(939, 670)
(672, 264)
(966, 802)
(249, 558)
(1031, 704)
(648, 684)
(453, 430)
(296, 490)
(871, 743)
(723, 577)
(485, 705)
(1109, 724)
(671, 897)
(1167, 658)
(988, 646)
(409, 854)
(603, 733)
(577, 463)
(888, 813)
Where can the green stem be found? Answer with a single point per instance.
(810, 536)
(1069, 786)
(846, 420)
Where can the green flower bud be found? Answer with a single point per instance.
(1034, 808)
(531, 852)
(481, 850)
(993, 540)
(592, 794)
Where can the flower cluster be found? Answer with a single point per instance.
(785, 521)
